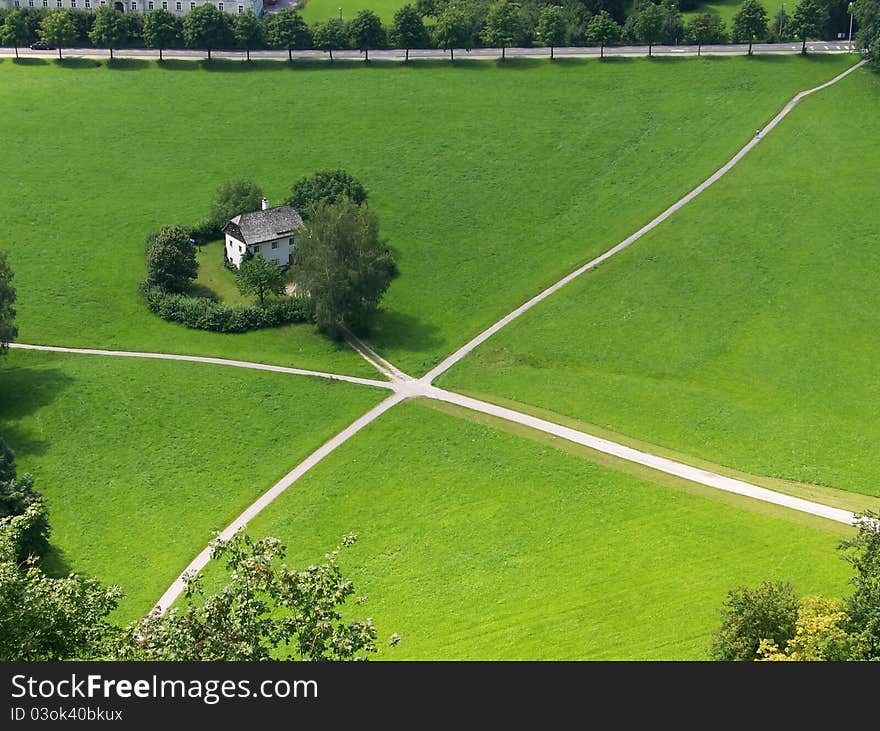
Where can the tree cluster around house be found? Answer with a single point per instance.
(325, 232)
(440, 24)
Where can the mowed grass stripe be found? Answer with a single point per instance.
(475, 543)
(741, 330)
(139, 462)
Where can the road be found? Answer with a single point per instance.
(439, 54)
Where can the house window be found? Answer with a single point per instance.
(150, 5)
(88, 4)
(179, 7)
(73, 3)
(164, 6)
(241, 8)
(220, 7)
(59, 4)
(30, 3)
(17, 3)
(45, 3)
(192, 6)
(257, 249)
(134, 6)
(241, 250)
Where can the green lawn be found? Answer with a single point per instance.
(728, 8)
(140, 461)
(478, 544)
(490, 180)
(743, 330)
(214, 279)
(314, 10)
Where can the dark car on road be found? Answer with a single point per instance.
(41, 46)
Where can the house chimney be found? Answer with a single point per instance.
(265, 203)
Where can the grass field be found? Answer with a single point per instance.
(140, 461)
(315, 10)
(478, 544)
(728, 8)
(490, 180)
(743, 329)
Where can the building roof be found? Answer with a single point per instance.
(259, 226)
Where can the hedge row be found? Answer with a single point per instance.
(201, 313)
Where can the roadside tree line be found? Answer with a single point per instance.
(446, 24)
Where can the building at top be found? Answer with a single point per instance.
(269, 232)
(177, 7)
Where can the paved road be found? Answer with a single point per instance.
(439, 54)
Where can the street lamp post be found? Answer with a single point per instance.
(850, 9)
(340, 13)
(781, 18)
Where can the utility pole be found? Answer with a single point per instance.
(850, 9)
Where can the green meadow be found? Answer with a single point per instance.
(740, 334)
(490, 180)
(140, 460)
(742, 330)
(479, 544)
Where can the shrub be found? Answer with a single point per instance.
(201, 313)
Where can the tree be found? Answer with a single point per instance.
(205, 28)
(650, 26)
(451, 30)
(171, 259)
(367, 32)
(552, 28)
(505, 26)
(259, 276)
(706, 28)
(820, 634)
(328, 186)
(602, 30)
(57, 30)
(750, 23)
(808, 21)
(232, 198)
(42, 618)
(110, 29)
(160, 30)
(248, 31)
(863, 605)
(331, 34)
(874, 53)
(14, 31)
(342, 266)
(16, 495)
(779, 27)
(768, 612)
(287, 29)
(867, 15)
(8, 330)
(408, 29)
(263, 610)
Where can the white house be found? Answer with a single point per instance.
(269, 232)
(177, 7)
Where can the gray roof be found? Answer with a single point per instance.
(259, 226)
